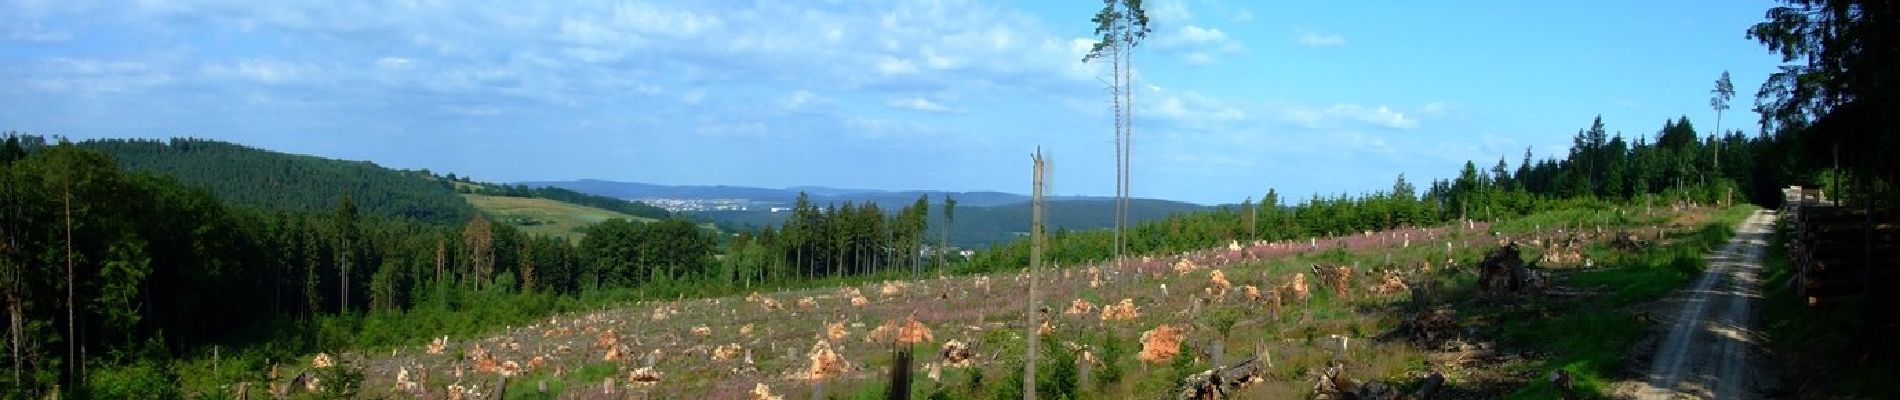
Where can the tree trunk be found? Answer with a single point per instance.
(14, 325)
(71, 332)
(1035, 266)
(343, 275)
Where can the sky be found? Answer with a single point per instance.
(1231, 97)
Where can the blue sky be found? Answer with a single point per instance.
(1233, 97)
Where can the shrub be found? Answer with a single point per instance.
(142, 378)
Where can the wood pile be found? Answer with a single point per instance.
(1337, 277)
(1503, 272)
(1390, 284)
(1841, 251)
(1428, 327)
(644, 376)
(1220, 382)
(1331, 384)
(957, 354)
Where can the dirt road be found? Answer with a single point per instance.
(1710, 348)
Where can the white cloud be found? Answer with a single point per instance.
(693, 97)
(1190, 108)
(918, 104)
(888, 65)
(1198, 45)
(32, 32)
(263, 70)
(1319, 40)
(88, 75)
(395, 64)
(1170, 11)
(752, 129)
(1193, 35)
(1198, 59)
(797, 100)
(1344, 113)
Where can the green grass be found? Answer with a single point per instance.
(1591, 336)
(544, 217)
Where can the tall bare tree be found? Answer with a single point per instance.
(949, 217)
(1723, 92)
(1035, 267)
(345, 231)
(1121, 25)
(527, 267)
(480, 240)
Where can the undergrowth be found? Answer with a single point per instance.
(1591, 335)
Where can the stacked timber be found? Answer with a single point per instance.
(1838, 250)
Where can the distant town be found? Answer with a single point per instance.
(690, 205)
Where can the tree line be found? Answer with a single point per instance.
(1675, 164)
(103, 268)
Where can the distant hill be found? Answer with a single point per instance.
(268, 179)
(977, 227)
(819, 194)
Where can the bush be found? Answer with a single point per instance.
(1056, 375)
(142, 378)
(1111, 370)
(340, 382)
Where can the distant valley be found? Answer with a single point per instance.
(982, 217)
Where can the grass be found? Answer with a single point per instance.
(543, 216)
(995, 319)
(1591, 336)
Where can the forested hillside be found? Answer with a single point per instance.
(273, 180)
(126, 269)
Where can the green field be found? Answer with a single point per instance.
(542, 216)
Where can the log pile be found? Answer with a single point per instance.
(1841, 251)
(1337, 277)
(1331, 384)
(1629, 242)
(644, 376)
(1220, 382)
(1430, 326)
(1503, 272)
(957, 354)
(1390, 284)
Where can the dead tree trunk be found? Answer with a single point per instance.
(71, 336)
(1035, 266)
